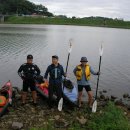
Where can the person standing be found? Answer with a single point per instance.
(28, 72)
(55, 71)
(83, 73)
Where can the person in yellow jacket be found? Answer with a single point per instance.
(83, 73)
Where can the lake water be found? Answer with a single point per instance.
(43, 41)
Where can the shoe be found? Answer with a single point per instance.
(89, 109)
(23, 104)
(80, 106)
(35, 104)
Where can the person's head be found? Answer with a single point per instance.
(55, 59)
(39, 79)
(29, 59)
(83, 61)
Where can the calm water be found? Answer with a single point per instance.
(43, 41)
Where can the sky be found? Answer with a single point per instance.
(86, 8)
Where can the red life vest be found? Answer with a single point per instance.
(2, 101)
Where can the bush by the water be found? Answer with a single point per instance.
(90, 21)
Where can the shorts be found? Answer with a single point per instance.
(28, 84)
(87, 88)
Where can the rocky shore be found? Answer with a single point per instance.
(41, 117)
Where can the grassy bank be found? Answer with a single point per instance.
(110, 118)
(68, 21)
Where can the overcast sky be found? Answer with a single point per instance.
(85, 8)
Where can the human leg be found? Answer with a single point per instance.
(90, 95)
(80, 92)
(24, 92)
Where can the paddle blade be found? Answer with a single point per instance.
(70, 49)
(101, 51)
(60, 104)
(94, 107)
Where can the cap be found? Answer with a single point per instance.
(55, 56)
(83, 59)
(29, 57)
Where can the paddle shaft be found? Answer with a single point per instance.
(65, 78)
(67, 62)
(98, 76)
(67, 65)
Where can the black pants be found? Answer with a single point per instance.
(54, 88)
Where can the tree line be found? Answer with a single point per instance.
(22, 7)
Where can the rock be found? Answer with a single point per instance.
(125, 113)
(100, 111)
(42, 112)
(119, 102)
(81, 120)
(107, 98)
(33, 110)
(102, 97)
(100, 92)
(126, 95)
(104, 91)
(17, 125)
(128, 107)
(113, 97)
(102, 104)
(61, 123)
(57, 117)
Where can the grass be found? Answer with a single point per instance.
(68, 21)
(111, 118)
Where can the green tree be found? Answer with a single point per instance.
(22, 7)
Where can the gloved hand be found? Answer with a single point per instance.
(35, 77)
(23, 77)
(45, 80)
(65, 74)
(98, 73)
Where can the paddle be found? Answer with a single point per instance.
(94, 107)
(60, 104)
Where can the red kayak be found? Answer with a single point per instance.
(5, 97)
(42, 89)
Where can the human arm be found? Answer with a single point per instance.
(46, 73)
(37, 70)
(93, 72)
(74, 71)
(62, 72)
(20, 72)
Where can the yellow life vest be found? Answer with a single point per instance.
(79, 72)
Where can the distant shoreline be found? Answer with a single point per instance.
(96, 22)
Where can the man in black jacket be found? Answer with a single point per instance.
(55, 71)
(28, 72)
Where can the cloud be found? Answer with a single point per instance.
(84, 8)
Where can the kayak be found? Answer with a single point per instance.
(69, 97)
(42, 89)
(5, 97)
